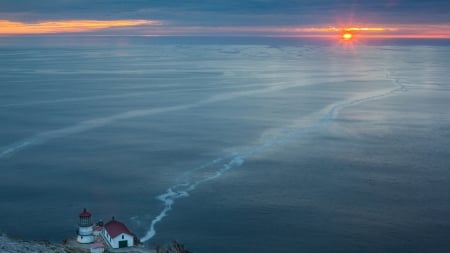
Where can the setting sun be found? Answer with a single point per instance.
(347, 36)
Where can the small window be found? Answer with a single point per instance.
(123, 237)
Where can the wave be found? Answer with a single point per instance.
(189, 181)
(74, 99)
(100, 122)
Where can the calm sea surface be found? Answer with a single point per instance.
(262, 146)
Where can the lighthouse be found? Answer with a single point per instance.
(85, 228)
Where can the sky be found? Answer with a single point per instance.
(315, 18)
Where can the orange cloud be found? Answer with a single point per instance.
(67, 26)
(371, 29)
(154, 27)
(437, 31)
(411, 31)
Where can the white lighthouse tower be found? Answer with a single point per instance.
(85, 228)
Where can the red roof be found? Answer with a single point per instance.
(115, 228)
(85, 213)
(97, 245)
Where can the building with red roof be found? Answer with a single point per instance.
(117, 235)
(97, 248)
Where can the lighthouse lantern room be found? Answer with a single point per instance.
(85, 228)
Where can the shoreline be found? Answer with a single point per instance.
(11, 244)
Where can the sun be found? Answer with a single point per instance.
(347, 36)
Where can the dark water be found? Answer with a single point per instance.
(257, 146)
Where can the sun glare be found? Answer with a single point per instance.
(347, 36)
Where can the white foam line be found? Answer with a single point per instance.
(83, 127)
(182, 190)
(100, 122)
(75, 99)
(95, 98)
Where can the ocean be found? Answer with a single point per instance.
(228, 145)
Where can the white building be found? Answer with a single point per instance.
(97, 248)
(85, 228)
(117, 235)
(97, 230)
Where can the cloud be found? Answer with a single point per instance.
(223, 17)
(67, 26)
(233, 12)
(158, 28)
